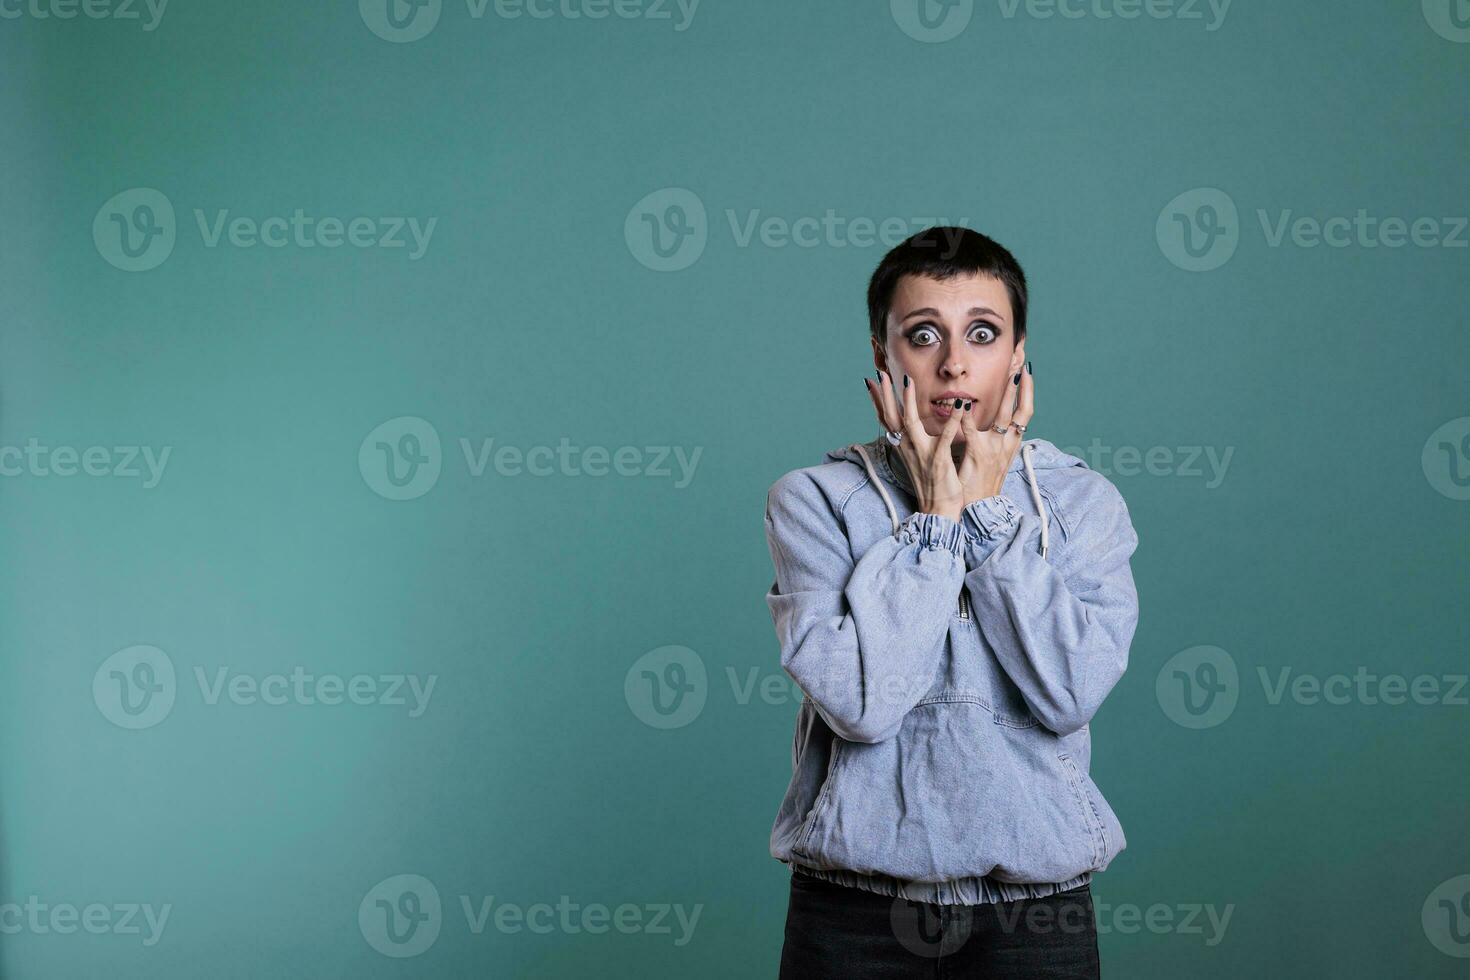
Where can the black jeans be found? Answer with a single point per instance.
(852, 934)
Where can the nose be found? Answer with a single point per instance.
(954, 362)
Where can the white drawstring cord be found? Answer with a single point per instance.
(873, 476)
(1026, 448)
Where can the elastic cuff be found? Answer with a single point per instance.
(990, 516)
(933, 531)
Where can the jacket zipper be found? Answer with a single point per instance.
(964, 604)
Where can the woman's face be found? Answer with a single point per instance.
(954, 339)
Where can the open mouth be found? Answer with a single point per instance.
(944, 407)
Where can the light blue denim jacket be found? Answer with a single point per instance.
(950, 671)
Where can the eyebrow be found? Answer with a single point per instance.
(931, 311)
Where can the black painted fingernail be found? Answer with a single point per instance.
(878, 375)
(905, 380)
(968, 404)
(1017, 378)
(958, 402)
(1028, 368)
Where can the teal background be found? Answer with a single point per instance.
(529, 319)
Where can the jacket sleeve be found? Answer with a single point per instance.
(864, 639)
(1061, 625)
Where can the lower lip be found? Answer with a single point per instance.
(943, 409)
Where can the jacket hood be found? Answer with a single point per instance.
(889, 462)
(880, 459)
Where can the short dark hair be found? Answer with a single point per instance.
(943, 252)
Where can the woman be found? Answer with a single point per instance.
(955, 614)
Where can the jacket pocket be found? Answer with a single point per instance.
(800, 848)
(954, 795)
(1091, 816)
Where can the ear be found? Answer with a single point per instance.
(1018, 357)
(880, 359)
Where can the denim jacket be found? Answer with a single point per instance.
(950, 669)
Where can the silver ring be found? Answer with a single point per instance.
(1002, 431)
(894, 438)
(1019, 427)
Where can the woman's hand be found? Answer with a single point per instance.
(988, 454)
(938, 486)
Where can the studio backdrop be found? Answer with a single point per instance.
(389, 393)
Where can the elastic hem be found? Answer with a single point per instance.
(933, 531)
(990, 515)
(956, 891)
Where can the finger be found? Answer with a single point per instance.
(969, 425)
(951, 426)
(1027, 407)
(1008, 401)
(913, 427)
(888, 406)
(973, 435)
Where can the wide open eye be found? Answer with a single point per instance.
(983, 333)
(923, 335)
